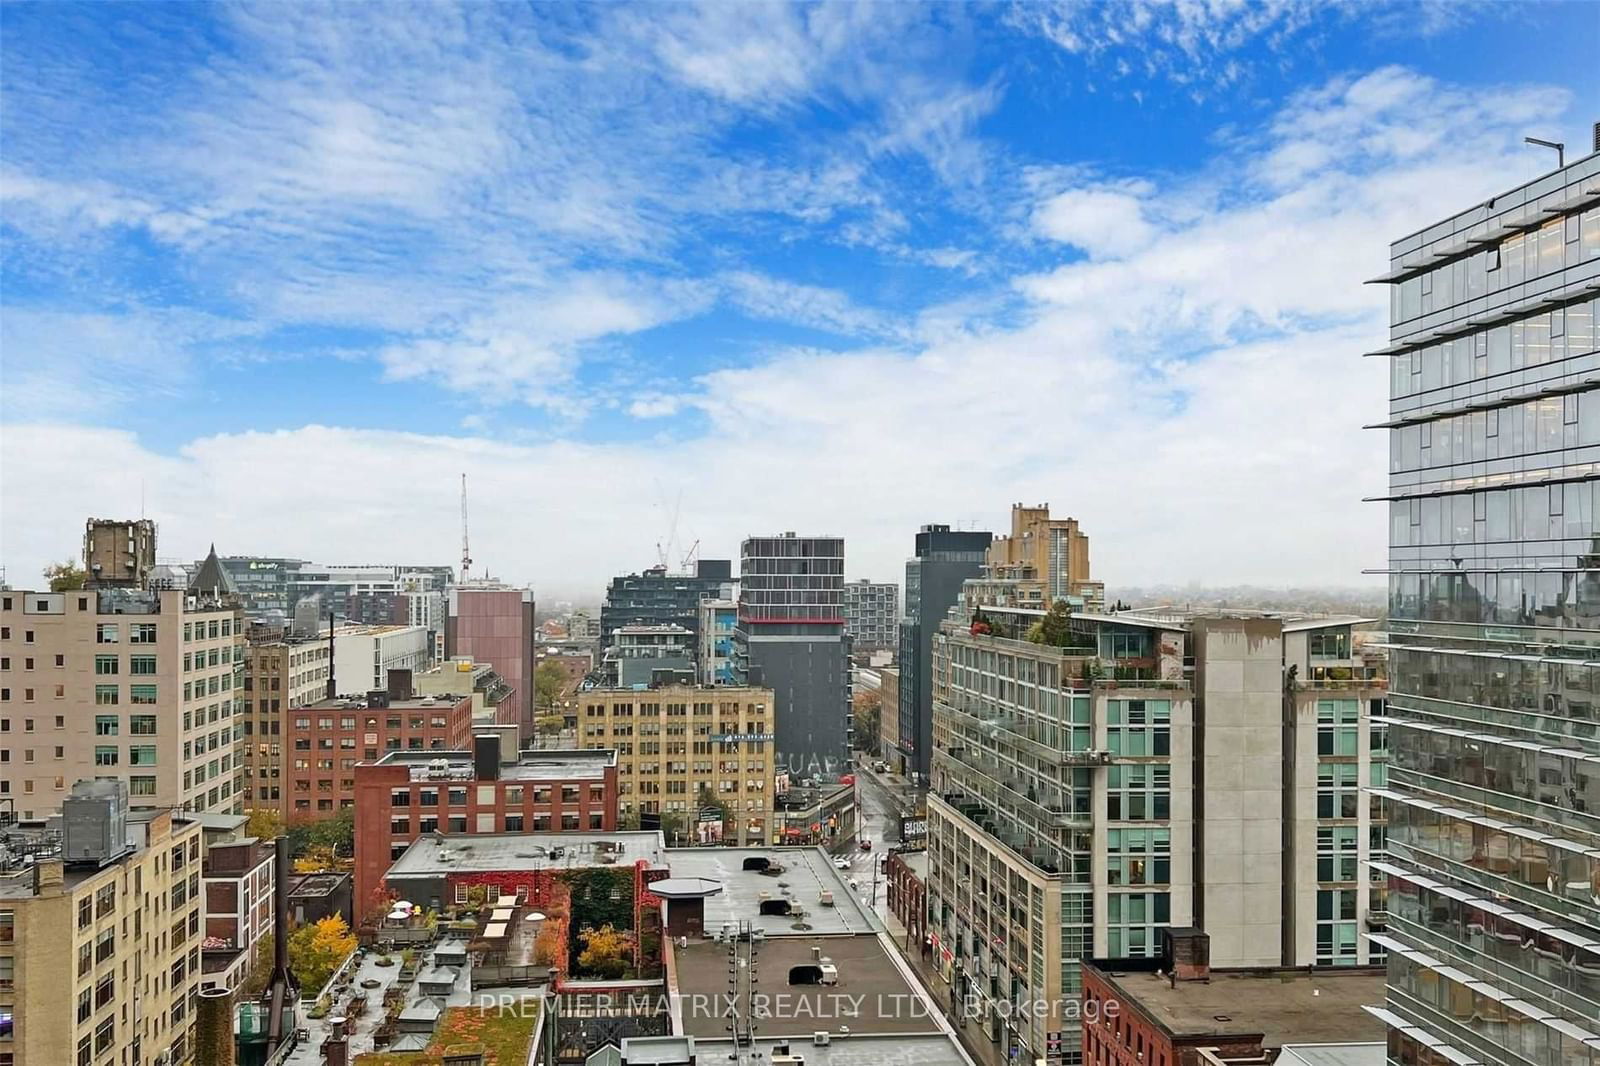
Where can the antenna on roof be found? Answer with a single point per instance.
(466, 555)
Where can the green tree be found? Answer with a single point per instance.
(1055, 629)
(550, 723)
(549, 682)
(66, 576)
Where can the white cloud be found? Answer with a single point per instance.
(1105, 222)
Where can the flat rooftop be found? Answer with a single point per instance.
(434, 855)
(553, 764)
(872, 995)
(859, 1049)
(1181, 618)
(420, 702)
(1286, 1006)
(307, 886)
(806, 874)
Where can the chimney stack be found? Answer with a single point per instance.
(1190, 949)
(399, 684)
(333, 686)
(486, 756)
(213, 1035)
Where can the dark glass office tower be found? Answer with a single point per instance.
(1493, 868)
(944, 559)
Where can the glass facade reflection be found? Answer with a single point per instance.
(1493, 789)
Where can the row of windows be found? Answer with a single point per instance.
(1558, 244)
(1491, 931)
(1556, 600)
(1546, 337)
(1561, 785)
(456, 796)
(1531, 513)
(1543, 425)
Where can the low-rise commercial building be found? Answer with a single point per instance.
(363, 655)
(1177, 1011)
(685, 751)
(478, 788)
(822, 815)
(908, 894)
(101, 929)
(493, 698)
(325, 740)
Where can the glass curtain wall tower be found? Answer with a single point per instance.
(1493, 865)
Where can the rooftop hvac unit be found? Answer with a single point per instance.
(820, 1038)
(830, 975)
(826, 898)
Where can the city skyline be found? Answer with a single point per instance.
(294, 287)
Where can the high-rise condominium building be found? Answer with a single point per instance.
(790, 638)
(944, 559)
(493, 623)
(140, 684)
(660, 597)
(1131, 772)
(100, 938)
(871, 613)
(1493, 868)
(718, 619)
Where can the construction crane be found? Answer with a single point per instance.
(689, 557)
(466, 555)
(664, 548)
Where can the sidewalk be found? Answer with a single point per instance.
(970, 1031)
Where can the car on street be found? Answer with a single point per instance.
(866, 845)
(841, 863)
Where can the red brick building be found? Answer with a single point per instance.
(907, 893)
(406, 794)
(1163, 1011)
(324, 741)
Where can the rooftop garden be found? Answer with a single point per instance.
(503, 1034)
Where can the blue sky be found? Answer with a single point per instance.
(282, 273)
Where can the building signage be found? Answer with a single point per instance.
(735, 738)
(257, 564)
(913, 829)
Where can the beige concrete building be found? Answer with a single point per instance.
(100, 958)
(281, 674)
(1144, 771)
(1050, 556)
(679, 746)
(142, 685)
